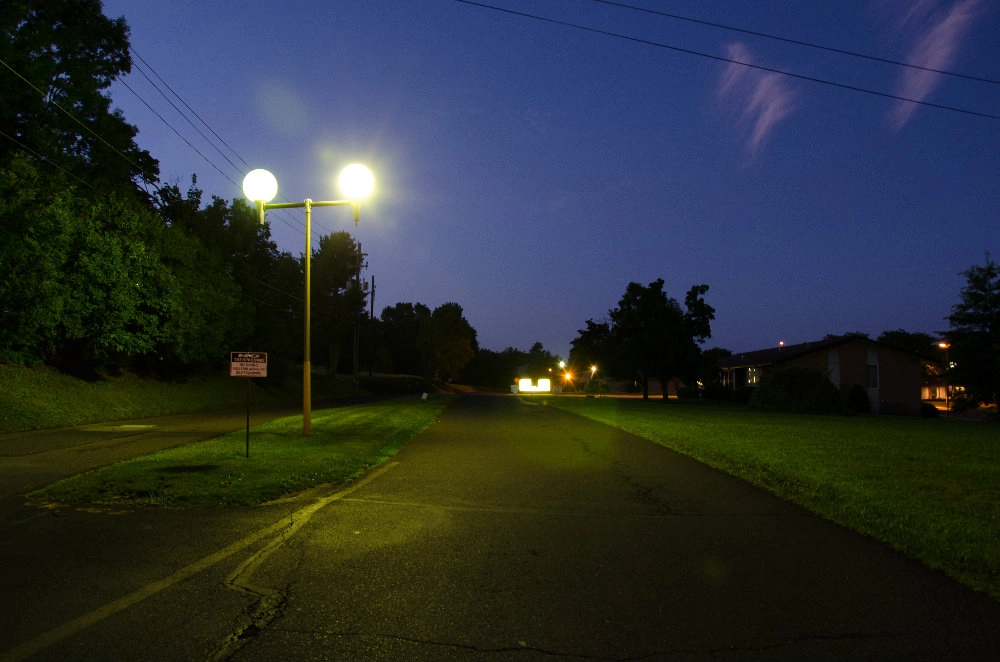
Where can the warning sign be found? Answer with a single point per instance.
(248, 364)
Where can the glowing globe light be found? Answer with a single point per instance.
(260, 186)
(356, 181)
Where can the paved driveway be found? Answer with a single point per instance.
(507, 530)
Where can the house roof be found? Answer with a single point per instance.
(777, 354)
(774, 355)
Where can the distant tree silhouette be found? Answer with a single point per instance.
(974, 336)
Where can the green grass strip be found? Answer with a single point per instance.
(928, 487)
(344, 443)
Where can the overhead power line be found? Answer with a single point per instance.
(90, 131)
(42, 157)
(178, 133)
(182, 114)
(292, 222)
(797, 42)
(206, 124)
(78, 121)
(720, 58)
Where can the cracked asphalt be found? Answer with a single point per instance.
(507, 530)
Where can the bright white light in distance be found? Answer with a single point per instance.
(524, 385)
(260, 185)
(356, 181)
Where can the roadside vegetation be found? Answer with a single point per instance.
(40, 398)
(344, 443)
(44, 398)
(928, 487)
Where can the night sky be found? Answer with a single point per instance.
(529, 170)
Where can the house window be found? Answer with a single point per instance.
(873, 376)
(833, 365)
(753, 376)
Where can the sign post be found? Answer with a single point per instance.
(249, 365)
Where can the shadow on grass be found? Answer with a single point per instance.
(189, 468)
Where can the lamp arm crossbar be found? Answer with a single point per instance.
(356, 206)
(311, 203)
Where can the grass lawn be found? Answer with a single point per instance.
(344, 442)
(928, 487)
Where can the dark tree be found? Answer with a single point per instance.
(653, 338)
(923, 345)
(500, 369)
(84, 287)
(448, 340)
(399, 335)
(337, 297)
(591, 345)
(538, 360)
(974, 337)
(60, 56)
(709, 373)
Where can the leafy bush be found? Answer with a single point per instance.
(795, 389)
(857, 401)
(927, 410)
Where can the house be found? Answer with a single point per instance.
(891, 378)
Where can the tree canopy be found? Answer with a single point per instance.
(448, 341)
(56, 60)
(648, 336)
(974, 337)
(101, 275)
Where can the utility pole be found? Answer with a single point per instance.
(371, 319)
(357, 322)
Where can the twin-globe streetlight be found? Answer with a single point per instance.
(356, 182)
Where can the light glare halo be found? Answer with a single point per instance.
(260, 185)
(356, 181)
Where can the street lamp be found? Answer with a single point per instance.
(947, 378)
(356, 182)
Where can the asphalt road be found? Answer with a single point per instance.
(506, 530)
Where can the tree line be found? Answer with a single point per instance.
(106, 268)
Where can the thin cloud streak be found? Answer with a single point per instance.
(764, 97)
(937, 44)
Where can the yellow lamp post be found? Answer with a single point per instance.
(356, 182)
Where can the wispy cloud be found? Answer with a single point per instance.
(763, 99)
(938, 33)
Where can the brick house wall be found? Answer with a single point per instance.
(891, 378)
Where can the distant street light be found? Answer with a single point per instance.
(356, 182)
(947, 378)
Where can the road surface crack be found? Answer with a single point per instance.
(270, 603)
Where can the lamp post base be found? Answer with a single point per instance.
(306, 397)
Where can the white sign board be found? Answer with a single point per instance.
(248, 364)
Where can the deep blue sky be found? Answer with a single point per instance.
(529, 170)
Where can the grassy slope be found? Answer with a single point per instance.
(40, 398)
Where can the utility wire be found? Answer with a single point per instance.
(113, 148)
(181, 113)
(178, 133)
(719, 58)
(74, 118)
(172, 91)
(797, 42)
(283, 215)
(46, 160)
